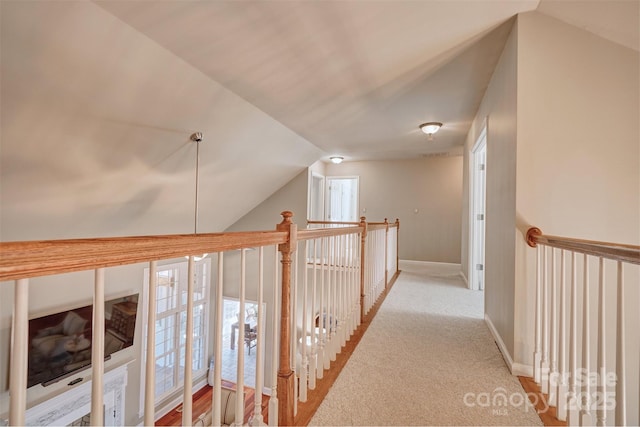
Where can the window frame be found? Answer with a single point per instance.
(177, 312)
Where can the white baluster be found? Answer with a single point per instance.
(150, 371)
(621, 389)
(303, 345)
(314, 337)
(216, 397)
(544, 369)
(553, 376)
(326, 326)
(537, 354)
(562, 356)
(187, 396)
(19, 353)
(257, 419)
(294, 331)
(573, 344)
(321, 310)
(239, 410)
(97, 351)
(601, 414)
(585, 400)
(273, 399)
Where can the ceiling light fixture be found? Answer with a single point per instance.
(336, 159)
(430, 128)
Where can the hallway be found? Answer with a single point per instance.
(427, 358)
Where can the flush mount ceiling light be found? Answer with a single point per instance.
(336, 159)
(430, 128)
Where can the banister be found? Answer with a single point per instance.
(614, 251)
(310, 221)
(40, 258)
(314, 233)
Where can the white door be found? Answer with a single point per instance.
(342, 198)
(477, 212)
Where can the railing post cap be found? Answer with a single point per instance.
(532, 233)
(363, 219)
(286, 216)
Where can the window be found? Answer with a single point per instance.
(171, 324)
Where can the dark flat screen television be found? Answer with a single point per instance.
(60, 343)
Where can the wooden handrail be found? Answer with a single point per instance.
(310, 221)
(614, 251)
(19, 260)
(314, 233)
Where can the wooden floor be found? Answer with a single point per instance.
(202, 404)
(546, 413)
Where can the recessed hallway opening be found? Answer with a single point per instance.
(427, 358)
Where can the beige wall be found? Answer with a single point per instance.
(576, 179)
(396, 188)
(498, 109)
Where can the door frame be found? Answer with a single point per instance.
(476, 282)
(310, 195)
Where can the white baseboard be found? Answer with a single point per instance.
(522, 370)
(503, 348)
(427, 263)
(464, 278)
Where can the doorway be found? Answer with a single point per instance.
(315, 202)
(477, 211)
(342, 198)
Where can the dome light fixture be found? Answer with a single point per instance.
(336, 159)
(430, 128)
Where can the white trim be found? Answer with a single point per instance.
(503, 348)
(464, 278)
(481, 143)
(428, 263)
(522, 370)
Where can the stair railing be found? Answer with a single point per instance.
(562, 367)
(315, 315)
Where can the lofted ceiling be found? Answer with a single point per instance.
(356, 78)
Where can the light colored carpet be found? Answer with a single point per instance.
(427, 359)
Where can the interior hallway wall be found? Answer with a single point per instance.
(397, 188)
(575, 179)
(498, 110)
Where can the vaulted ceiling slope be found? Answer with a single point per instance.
(353, 77)
(96, 120)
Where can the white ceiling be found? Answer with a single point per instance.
(356, 78)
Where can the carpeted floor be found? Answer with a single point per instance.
(427, 359)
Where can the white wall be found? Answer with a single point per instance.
(575, 178)
(396, 188)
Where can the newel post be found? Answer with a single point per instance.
(285, 374)
(363, 243)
